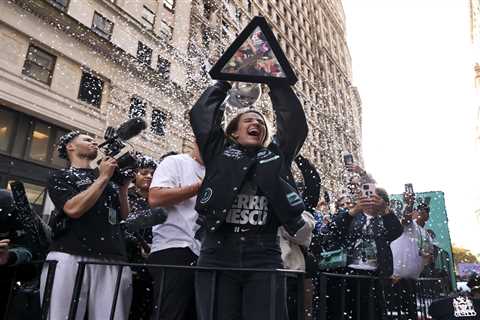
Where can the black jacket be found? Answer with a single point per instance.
(227, 163)
(345, 230)
(312, 181)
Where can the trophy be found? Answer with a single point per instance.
(244, 95)
(254, 57)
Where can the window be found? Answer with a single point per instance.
(225, 30)
(39, 141)
(25, 137)
(159, 119)
(169, 5)
(137, 107)
(163, 67)
(144, 53)
(166, 29)
(39, 65)
(148, 17)
(91, 89)
(238, 15)
(7, 123)
(60, 4)
(102, 26)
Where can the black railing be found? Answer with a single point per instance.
(408, 300)
(275, 275)
(383, 299)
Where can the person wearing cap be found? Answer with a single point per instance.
(92, 207)
(459, 307)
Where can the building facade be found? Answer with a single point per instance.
(475, 36)
(89, 64)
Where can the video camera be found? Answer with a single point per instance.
(114, 147)
(19, 223)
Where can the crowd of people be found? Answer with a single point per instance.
(233, 202)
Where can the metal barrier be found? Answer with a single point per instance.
(359, 297)
(15, 288)
(338, 296)
(275, 273)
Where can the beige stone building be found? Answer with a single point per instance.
(475, 36)
(89, 64)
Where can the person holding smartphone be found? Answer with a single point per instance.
(412, 251)
(365, 231)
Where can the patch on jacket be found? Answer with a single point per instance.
(264, 153)
(269, 159)
(233, 153)
(206, 195)
(294, 199)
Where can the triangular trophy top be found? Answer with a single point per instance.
(255, 56)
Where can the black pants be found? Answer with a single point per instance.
(142, 298)
(365, 298)
(5, 286)
(354, 299)
(401, 298)
(174, 292)
(335, 298)
(240, 295)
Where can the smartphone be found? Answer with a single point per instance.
(368, 190)
(348, 159)
(409, 188)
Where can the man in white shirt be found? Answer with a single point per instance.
(174, 187)
(412, 251)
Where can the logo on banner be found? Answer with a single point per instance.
(463, 307)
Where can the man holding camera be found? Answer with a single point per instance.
(90, 208)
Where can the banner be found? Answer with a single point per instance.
(438, 223)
